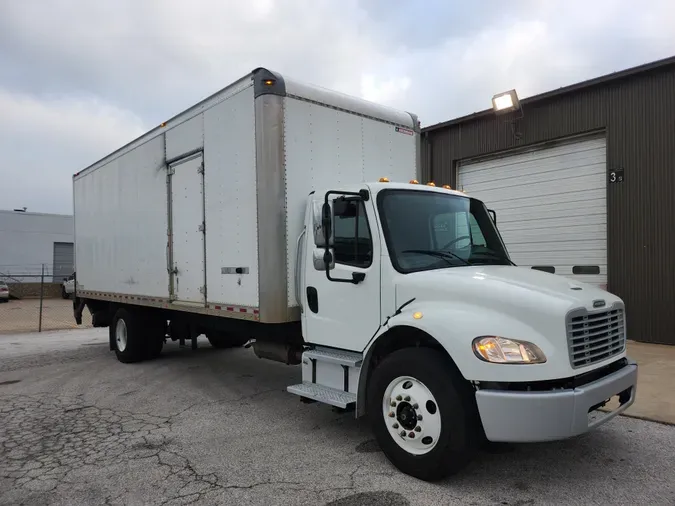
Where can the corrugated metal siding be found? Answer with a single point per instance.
(637, 115)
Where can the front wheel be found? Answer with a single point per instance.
(422, 413)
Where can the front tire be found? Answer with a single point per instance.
(127, 336)
(422, 413)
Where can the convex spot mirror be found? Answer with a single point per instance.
(318, 225)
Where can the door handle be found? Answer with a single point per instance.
(312, 299)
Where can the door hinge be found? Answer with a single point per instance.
(202, 227)
(171, 171)
(202, 289)
(200, 169)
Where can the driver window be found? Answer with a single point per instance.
(353, 244)
(477, 236)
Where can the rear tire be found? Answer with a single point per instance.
(445, 436)
(223, 340)
(127, 336)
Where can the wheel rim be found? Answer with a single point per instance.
(411, 415)
(121, 335)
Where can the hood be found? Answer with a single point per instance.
(502, 287)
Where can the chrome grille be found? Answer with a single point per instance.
(594, 337)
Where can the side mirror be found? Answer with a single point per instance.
(319, 223)
(493, 215)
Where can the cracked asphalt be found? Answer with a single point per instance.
(217, 427)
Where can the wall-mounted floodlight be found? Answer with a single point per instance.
(505, 102)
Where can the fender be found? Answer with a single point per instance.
(453, 327)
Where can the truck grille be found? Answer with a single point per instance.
(594, 337)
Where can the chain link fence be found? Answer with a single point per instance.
(36, 301)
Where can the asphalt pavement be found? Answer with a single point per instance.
(217, 427)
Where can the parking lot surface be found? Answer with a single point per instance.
(217, 427)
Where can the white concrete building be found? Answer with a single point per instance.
(30, 240)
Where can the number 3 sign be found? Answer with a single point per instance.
(616, 176)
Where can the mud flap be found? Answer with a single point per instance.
(78, 308)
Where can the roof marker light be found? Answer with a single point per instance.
(447, 187)
(431, 183)
(384, 180)
(414, 181)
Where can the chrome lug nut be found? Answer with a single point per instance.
(391, 414)
(399, 398)
(418, 429)
(393, 404)
(406, 398)
(402, 433)
(416, 406)
(411, 435)
(395, 426)
(419, 417)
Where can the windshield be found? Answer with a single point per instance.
(431, 230)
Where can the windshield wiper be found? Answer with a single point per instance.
(445, 255)
(494, 254)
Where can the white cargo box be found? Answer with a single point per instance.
(203, 212)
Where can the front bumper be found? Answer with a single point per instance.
(526, 417)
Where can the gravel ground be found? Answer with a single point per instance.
(217, 427)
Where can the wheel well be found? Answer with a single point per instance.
(395, 339)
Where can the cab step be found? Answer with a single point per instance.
(323, 394)
(330, 356)
(329, 376)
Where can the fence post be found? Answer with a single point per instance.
(42, 291)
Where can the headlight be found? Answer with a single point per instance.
(500, 350)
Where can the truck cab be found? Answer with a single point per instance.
(415, 314)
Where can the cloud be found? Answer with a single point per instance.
(79, 78)
(45, 141)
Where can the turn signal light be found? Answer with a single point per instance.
(268, 82)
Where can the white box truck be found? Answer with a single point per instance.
(287, 217)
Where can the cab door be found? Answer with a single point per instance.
(341, 306)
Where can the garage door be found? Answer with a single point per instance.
(550, 204)
(63, 261)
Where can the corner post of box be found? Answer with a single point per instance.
(417, 128)
(269, 92)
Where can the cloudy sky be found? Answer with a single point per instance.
(79, 78)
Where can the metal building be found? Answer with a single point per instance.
(30, 240)
(583, 181)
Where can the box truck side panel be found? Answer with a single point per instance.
(185, 138)
(230, 201)
(328, 147)
(121, 225)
